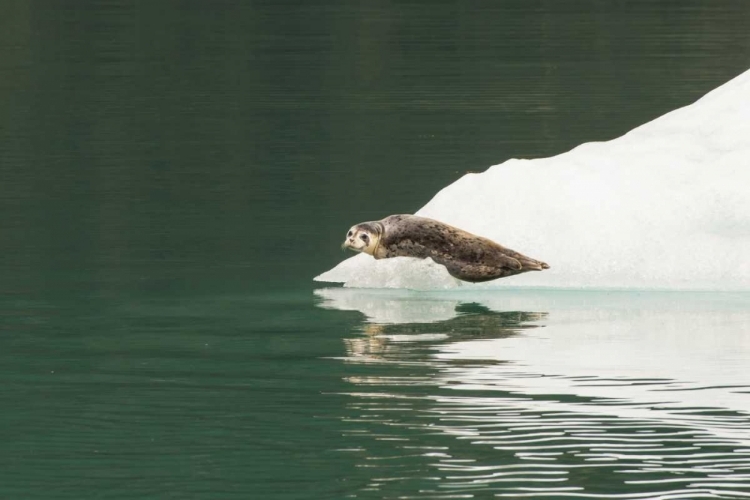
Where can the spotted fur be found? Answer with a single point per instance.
(466, 256)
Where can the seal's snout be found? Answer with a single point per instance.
(348, 243)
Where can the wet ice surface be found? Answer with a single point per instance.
(665, 206)
(546, 393)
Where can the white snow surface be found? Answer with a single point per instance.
(666, 206)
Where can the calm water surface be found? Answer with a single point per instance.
(173, 175)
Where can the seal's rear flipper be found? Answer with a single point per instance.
(532, 264)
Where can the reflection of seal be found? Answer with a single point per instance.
(466, 256)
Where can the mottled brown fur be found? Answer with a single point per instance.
(466, 256)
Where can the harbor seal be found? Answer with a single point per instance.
(466, 256)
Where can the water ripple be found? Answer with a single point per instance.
(451, 418)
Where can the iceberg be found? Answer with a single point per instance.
(666, 206)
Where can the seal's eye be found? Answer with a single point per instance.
(364, 238)
(349, 234)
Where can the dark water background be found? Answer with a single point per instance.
(173, 174)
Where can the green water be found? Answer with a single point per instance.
(172, 176)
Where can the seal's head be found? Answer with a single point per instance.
(364, 237)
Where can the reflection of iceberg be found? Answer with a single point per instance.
(677, 349)
(402, 316)
(404, 306)
(383, 306)
(664, 206)
(650, 389)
